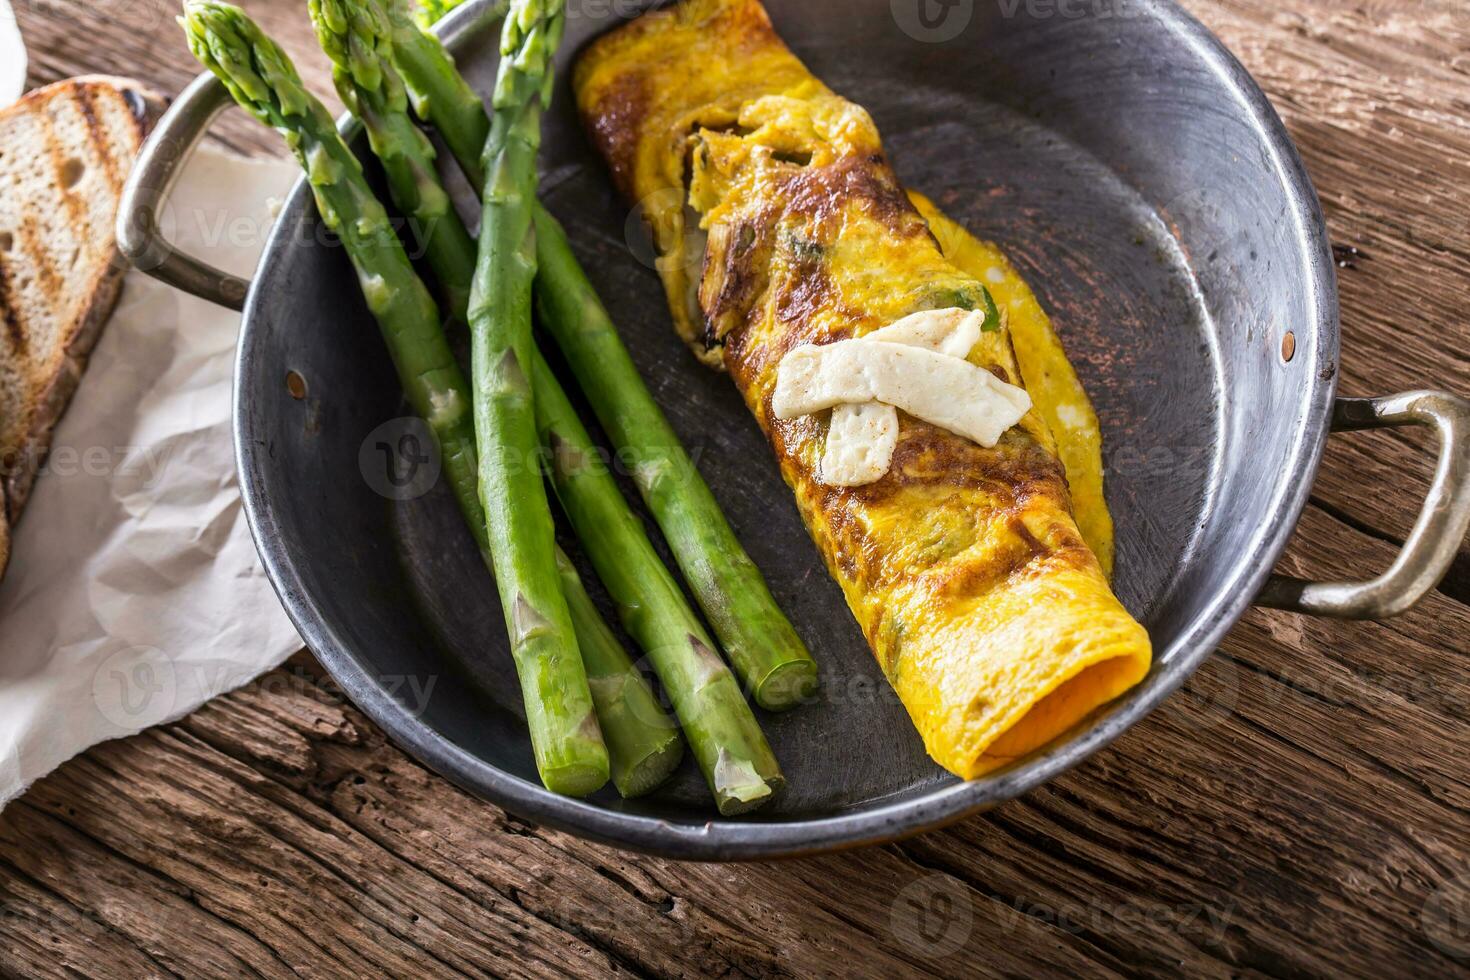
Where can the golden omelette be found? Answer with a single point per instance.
(983, 602)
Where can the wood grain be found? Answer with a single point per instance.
(1299, 809)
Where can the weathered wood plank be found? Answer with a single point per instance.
(1309, 779)
(1289, 813)
(1377, 98)
(410, 871)
(139, 39)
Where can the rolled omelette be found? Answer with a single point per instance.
(778, 222)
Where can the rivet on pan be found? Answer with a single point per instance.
(296, 385)
(1288, 346)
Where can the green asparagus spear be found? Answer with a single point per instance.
(757, 636)
(671, 620)
(727, 742)
(643, 741)
(440, 94)
(431, 10)
(354, 36)
(517, 515)
(569, 751)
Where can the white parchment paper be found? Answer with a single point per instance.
(12, 56)
(134, 593)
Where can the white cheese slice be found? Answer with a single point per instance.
(953, 331)
(861, 438)
(942, 390)
(860, 444)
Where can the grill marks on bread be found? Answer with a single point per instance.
(69, 171)
(15, 333)
(60, 140)
(65, 151)
(87, 102)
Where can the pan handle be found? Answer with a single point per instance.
(1432, 544)
(172, 143)
(154, 175)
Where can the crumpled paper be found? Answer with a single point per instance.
(12, 56)
(134, 592)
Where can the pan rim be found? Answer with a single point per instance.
(726, 840)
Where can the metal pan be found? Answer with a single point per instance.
(1144, 186)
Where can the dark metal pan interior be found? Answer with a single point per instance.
(1138, 179)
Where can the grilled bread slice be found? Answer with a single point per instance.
(65, 151)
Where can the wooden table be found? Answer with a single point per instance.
(1302, 808)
